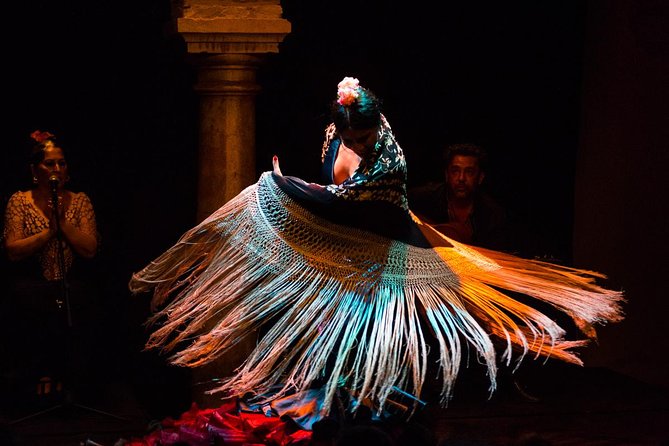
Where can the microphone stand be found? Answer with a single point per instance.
(68, 402)
(61, 253)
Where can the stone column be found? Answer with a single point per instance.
(225, 40)
(226, 86)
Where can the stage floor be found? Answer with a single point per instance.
(571, 406)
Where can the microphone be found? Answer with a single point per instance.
(54, 182)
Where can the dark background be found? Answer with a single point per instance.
(113, 84)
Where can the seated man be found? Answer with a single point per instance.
(458, 207)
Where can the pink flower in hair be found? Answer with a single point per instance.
(40, 136)
(347, 91)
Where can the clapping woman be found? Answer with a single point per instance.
(48, 230)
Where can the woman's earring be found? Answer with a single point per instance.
(35, 179)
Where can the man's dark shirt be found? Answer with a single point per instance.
(490, 221)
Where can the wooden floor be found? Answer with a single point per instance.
(568, 406)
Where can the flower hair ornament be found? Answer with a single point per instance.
(40, 136)
(348, 91)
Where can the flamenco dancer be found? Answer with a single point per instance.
(351, 289)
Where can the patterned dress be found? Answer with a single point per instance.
(38, 322)
(23, 219)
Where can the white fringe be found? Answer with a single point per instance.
(351, 308)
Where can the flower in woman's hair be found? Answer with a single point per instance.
(347, 91)
(349, 82)
(40, 136)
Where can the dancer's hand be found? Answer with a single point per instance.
(275, 165)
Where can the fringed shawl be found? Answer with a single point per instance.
(349, 307)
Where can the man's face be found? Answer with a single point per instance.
(463, 176)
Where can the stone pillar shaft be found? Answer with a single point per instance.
(226, 40)
(227, 89)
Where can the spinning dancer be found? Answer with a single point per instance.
(349, 286)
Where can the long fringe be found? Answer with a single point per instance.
(349, 307)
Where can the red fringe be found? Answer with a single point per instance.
(224, 425)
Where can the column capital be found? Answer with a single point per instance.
(231, 26)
